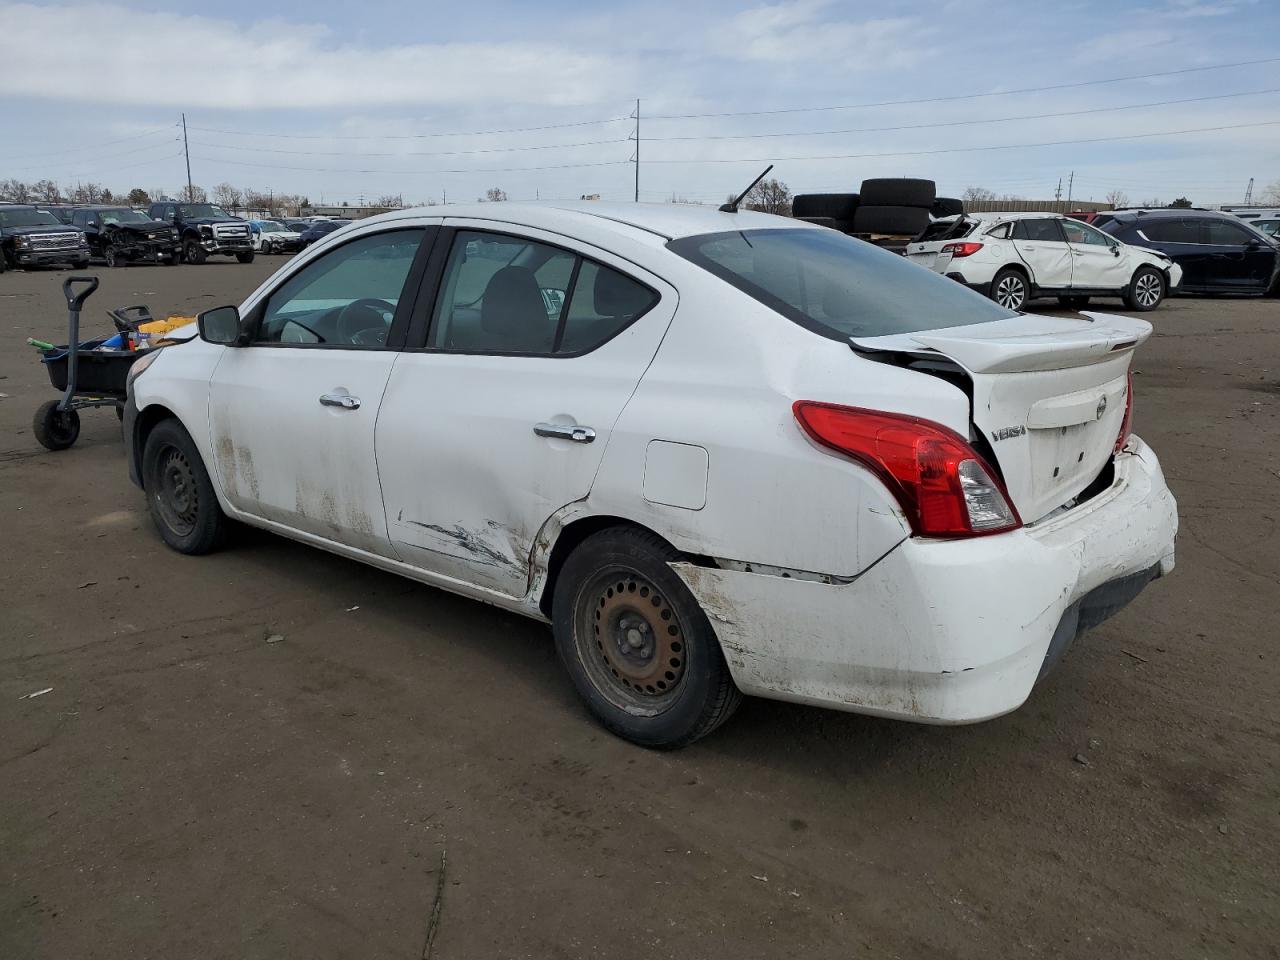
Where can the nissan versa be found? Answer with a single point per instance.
(720, 453)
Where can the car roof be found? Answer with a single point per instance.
(1017, 215)
(666, 220)
(1181, 212)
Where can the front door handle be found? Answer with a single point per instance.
(342, 400)
(565, 431)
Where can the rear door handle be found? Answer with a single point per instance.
(342, 400)
(565, 431)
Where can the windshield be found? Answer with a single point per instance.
(196, 211)
(27, 218)
(835, 285)
(270, 226)
(123, 216)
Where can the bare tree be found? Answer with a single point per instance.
(977, 194)
(1153, 202)
(193, 194)
(89, 193)
(46, 191)
(1272, 193)
(225, 195)
(494, 194)
(769, 196)
(1117, 199)
(15, 191)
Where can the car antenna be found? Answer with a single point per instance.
(732, 205)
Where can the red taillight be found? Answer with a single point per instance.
(941, 483)
(1126, 424)
(966, 248)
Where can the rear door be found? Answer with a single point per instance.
(1180, 239)
(1043, 247)
(1100, 262)
(292, 415)
(500, 411)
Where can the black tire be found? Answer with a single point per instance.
(54, 429)
(180, 495)
(82, 264)
(192, 252)
(245, 257)
(898, 192)
(675, 687)
(112, 256)
(1146, 290)
(898, 221)
(947, 207)
(1010, 288)
(837, 206)
(844, 226)
(1074, 301)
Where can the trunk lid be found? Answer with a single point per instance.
(1049, 395)
(924, 249)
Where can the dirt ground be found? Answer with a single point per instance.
(189, 790)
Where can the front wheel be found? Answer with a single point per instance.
(180, 495)
(1009, 289)
(245, 257)
(55, 429)
(1146, 290)
(192, 252)
(112, 256)
(638, 647)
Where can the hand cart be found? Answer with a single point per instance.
(89, 374)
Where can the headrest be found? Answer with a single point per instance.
(512, 309)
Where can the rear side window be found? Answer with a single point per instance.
(1171, 230)
(508, 294)
(1046, 231)
(835, 285)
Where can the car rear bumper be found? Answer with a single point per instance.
(947, 631)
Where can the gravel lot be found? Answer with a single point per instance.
(190, 790)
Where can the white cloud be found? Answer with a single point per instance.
(277, 64)
(800, 32)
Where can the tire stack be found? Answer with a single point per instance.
(898, 206)
(834, 210)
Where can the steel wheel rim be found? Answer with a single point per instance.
(176, 494)
(1148, 291)
(1009, 293)
(631, 640)
(111, 256)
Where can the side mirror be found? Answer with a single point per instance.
(1115, 250)
(1253, 244)
(224, 325)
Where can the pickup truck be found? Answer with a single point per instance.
(205, 229)
(32, 238)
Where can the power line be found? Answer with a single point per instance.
(1002, 146)
(416, 153)
(966, 123)
(965, 96)
(473, 170)
(83, 149)
(406, 136)
(73, 163)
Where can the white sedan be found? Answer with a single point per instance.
(1015, 257)
(720, 453)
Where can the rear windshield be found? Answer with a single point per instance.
(835, 285)
(949, 229)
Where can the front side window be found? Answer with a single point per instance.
(1080, 233)
(507, 294)
(346, 298)
(835, 285)
(1225, 233)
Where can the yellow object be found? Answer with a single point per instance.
(171, 322)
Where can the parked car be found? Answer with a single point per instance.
(62, 211)
(120, 235)
(319, 230)
(1269, 227)
(1016, 257)
(32, 238)
(205, 229)
(1218, 252)
(270, 236)
(873, 490)
(297, 226)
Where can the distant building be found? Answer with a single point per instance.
(353, 212)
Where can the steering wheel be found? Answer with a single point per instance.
(365, 321)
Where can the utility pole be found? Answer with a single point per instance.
(190, 192)
(1071, 182)
(637, 150)
(1057, 194)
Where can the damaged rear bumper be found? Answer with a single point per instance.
(947, 631)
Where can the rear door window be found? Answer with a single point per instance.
(835, 285)
(1045, 231)
(1171, 230)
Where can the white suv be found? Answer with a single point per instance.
(1015, 257)
(720, 453)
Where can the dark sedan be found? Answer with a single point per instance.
(1218, 253)
(319, 229)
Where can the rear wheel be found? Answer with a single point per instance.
(180, 495)
(55, 429)
(1146, 290)
(1009, 289)
(1074, 302)
(637, 645)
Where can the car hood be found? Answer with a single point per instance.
(40, 228)
(210, 221)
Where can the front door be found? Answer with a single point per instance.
(501, 415)
(1043, 246)
(1100, 262)
(292, 415)
(1240, 260)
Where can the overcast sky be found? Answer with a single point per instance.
(348, 99)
